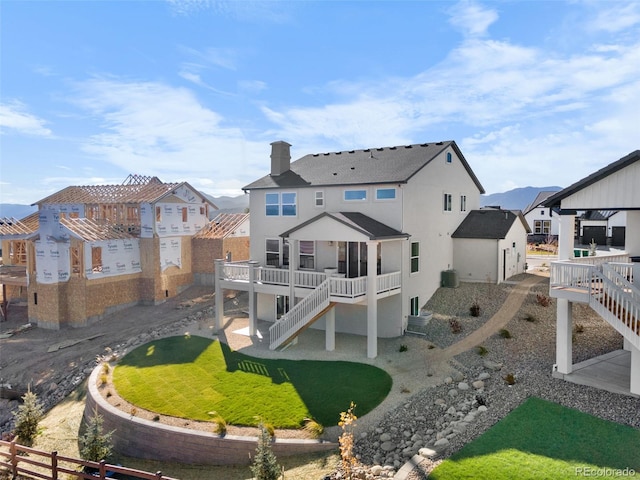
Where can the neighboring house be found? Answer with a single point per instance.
(542, 220)
(356, 240)
(226, 236)
(608, 283)
(604, 227)
(103, 247)
(490, 245)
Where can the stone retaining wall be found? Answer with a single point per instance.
(136, 437)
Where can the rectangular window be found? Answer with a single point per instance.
(272, 203)
(273, 252)
(449, 157)
(288, 204)
(307, 254)
(385, 193)
(202, 210)
(96, 259)
(319, 199)
(185, 214)
(351, 195)
(158, 214)
(415, 257)
(414, 307)
(542, 227)
(447, 202)
(463, 203)
(546, 227)
(282, 305)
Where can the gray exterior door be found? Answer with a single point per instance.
(597, 234)
(617, 236)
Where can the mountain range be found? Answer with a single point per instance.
(516, 199)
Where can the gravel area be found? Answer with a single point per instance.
(529, 355)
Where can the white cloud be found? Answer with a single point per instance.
(471, 18)
(14, 116)
(247, 11)
(153, 128)
(616, 17)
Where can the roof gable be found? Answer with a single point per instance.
(361, 167)
(222, 226)
(360, 223)
(489, 224)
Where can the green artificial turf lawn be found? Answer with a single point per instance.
(544, 440)
(191, 376)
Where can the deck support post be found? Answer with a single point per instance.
(635, 371)
(219, 275)
(566, 233)
(330, 329)
(564, 330)
(372, 300)
(253, 299)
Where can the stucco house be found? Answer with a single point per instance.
(98, 248)
(490, 245)
(352, 241)
(607, 282)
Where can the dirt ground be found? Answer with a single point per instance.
(47, 360)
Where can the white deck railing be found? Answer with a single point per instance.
(567, 274)
(601, 258)
(621, 274)
(338, 287)
(301, 313)
(616, 306)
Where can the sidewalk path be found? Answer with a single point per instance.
(510, 308)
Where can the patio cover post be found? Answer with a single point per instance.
(564, 346)
(219, 275)
(253, 299)
(372, 299)
(294, 248)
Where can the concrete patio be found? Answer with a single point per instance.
(611, 372)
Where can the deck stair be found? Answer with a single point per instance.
(301, 316)
(617, 301)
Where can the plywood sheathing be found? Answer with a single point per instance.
(24, 227)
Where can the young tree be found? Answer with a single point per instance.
(27, 418)
(95, 445)
(265, 465)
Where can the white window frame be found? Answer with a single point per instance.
(413, 257)
(307, 261)
(386, 189)
(449, 157)
(267, 204)
(267, 252)
(288, 204)
(414, 306)
(363, 190)
(319, 199)
(463, 203)
(447, 205)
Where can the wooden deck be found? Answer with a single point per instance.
(611, 372)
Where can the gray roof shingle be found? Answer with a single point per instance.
(360, 222)
(488, 224)
(360, 167)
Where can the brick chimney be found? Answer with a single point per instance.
(280, 158)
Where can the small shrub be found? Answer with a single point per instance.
(106, 368)
(156, 418)
(482, 351)
(543, 300)
(579, 328)
(220, 427)
(510, 379)
(133, 411)
(455, 326)
(265, 464)
(504, 333)
(529, 317)
(405, 389)
(474, 309)
(95, 445)
(27, 418)
(347, 423)
(431, 346)
(104, 378)
(312, 427)
(403, 348)
(109, 394)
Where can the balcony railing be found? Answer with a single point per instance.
(338, 287)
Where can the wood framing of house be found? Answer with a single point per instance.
(97, 248)
(226, 236)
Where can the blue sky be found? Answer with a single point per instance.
(534, 92)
